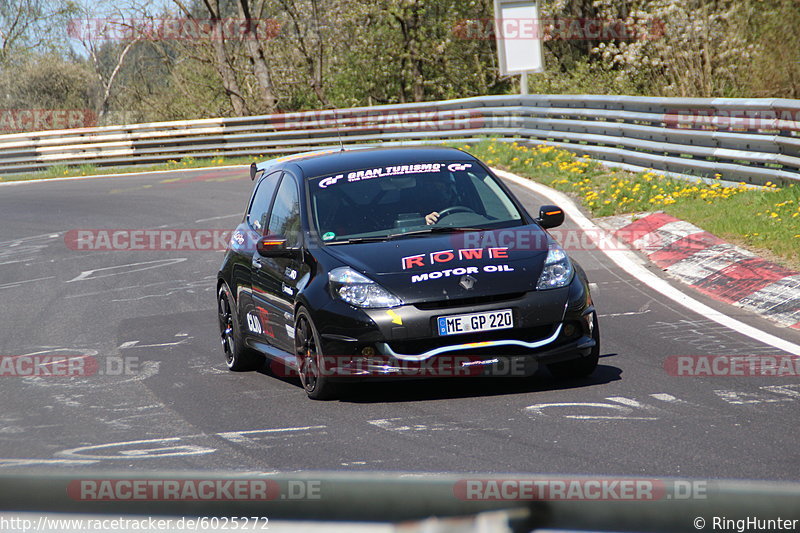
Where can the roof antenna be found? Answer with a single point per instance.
(338, 133)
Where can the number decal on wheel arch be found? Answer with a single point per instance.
(254, 324)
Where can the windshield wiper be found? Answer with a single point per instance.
(434, 229)
(437, 229)
(354, 240)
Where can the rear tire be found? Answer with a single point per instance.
(238, 357)
(310, 360)
(582, 367)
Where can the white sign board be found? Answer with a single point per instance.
(519, 36)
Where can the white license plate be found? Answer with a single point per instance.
(472, 322)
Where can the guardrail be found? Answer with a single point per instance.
(672, 505)
(750, 140)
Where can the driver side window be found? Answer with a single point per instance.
(285, 217)
(259, 207)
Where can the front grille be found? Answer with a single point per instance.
(477, 300)
(419, 346)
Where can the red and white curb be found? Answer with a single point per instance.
(714, 267)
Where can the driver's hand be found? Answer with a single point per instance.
(432, 219)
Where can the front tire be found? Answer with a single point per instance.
(582, 367)
(310, 360)
(238, 357)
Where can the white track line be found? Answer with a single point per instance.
(628, 262)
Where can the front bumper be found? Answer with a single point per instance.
(454, 365)
(549, 326)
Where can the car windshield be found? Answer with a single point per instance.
(395, 200)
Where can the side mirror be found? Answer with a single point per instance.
(550, 216)
(275, 246)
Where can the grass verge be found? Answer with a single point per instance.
(767, 221)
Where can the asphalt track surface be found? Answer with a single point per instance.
(179, 408)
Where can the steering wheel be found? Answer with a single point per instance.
(453, 210)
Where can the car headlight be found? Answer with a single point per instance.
(360, 291)
(557, 271)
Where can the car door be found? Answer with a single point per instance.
(276, 279)
(252, 312)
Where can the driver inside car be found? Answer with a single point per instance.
(441, 191)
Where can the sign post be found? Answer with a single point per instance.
(519, 38)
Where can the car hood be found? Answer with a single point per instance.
(434, 266)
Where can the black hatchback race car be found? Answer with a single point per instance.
(399, 262)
